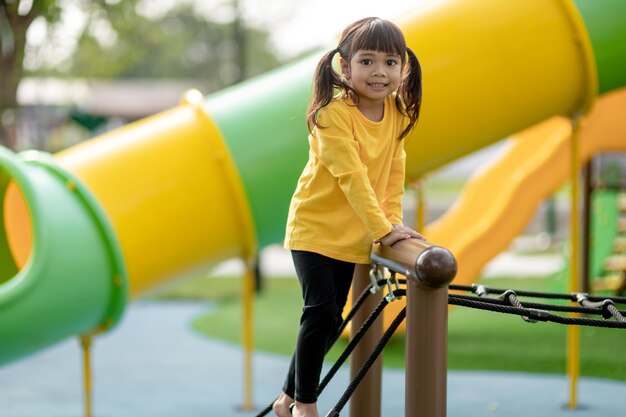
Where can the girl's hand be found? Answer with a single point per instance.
(398, 233)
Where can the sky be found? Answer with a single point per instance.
(295, 25)
(316, 23)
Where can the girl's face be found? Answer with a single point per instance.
(373, 75)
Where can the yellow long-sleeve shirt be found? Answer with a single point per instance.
(350, 192)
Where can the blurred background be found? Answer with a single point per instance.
(72, 69)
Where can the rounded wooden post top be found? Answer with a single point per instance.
(420, 261)
(435, 267)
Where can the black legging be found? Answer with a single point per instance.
(325, 285)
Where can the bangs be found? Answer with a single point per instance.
(380, 35)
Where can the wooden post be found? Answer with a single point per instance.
(426, 351)
(429, 270)
(365, 402)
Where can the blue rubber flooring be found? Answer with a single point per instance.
(154, 365)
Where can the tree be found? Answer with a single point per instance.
(119, 42)
(16, 17)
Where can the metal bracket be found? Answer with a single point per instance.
(390, 295)
(376, 274)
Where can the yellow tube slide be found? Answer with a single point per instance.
(493, 68)
(171, 191)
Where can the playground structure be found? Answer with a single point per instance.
(109, 219)
(429, 270)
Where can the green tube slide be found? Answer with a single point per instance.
(271, 144)
(74, 281)
(604, 20)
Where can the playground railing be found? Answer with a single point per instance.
(428, 270)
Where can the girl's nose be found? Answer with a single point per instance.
(379, 71)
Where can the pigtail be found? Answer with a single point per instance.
(324, 83)
(409, 98)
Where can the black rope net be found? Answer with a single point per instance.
(582, 307)
(508, 302)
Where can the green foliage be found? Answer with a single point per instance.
(119, 42)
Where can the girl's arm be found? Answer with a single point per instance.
(392, 202)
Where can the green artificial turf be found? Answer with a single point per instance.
(477, 340)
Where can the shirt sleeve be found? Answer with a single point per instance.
(337, 149)
(392, 202)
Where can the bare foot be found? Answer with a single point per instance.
(281, 405)
(305, 410)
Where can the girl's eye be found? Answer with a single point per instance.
(391, 62)
(366, 61)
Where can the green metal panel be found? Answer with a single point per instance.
(603, 229)
(606, 23)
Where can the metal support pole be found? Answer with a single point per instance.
(85, 343)
(248, 332)
(573, 332)
(365, 402)
(420, 204)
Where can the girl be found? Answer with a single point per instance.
(350, 192)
